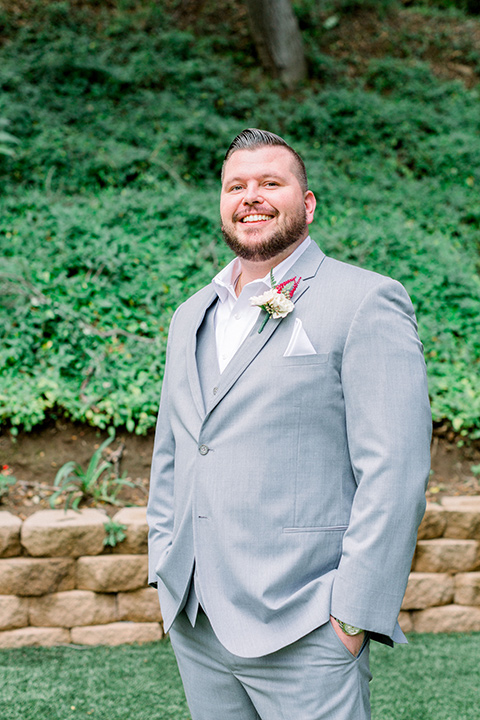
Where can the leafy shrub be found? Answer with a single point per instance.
(356, 5)
(6, 481)
(114, 533)
(7, 140)
(96, 482)
(469, 6)
(109, 212)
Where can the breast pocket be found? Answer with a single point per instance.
(301, 360)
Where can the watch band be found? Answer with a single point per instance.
(349, 629)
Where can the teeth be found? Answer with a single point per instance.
(255, 218)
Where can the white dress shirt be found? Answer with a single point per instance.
(235, 317)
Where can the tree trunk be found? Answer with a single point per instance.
(278, 40)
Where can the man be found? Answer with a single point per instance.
(290, 461)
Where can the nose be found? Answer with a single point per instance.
(252, 194)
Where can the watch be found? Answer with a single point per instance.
(349, 629)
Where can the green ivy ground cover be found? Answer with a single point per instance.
(435, 678)
(109, 210)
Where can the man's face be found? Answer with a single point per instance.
(262, 205)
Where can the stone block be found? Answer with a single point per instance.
(28, 576)
(112, 573)
(449, 618)
(405, 621)
(462, 516)
(446, 555)
(75, 607)
(117, 633)
(139, 606)
(427, 590)
(13, 612)
(433, 523)
(467, 588)
(34, 637)
(10, 527)
(56, 533)
(136, 542)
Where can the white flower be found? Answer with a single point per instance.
(275, 303)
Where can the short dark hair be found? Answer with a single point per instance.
(252, 138)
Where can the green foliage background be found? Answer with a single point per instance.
(108, 210)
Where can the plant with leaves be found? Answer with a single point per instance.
(6, 481)
(114, 533)
(6, 139)
(97, 482)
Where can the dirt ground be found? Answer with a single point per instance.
(450, 46)
(35, 458)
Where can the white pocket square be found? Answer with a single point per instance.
(299, 343)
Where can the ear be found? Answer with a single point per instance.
(310, 205)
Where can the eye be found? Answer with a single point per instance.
(271, 183)
(235, 188)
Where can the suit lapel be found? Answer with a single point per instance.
(192, 369)
(306, 267)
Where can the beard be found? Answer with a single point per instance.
(291, 231)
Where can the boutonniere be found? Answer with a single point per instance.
(276, 302)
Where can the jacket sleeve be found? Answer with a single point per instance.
(388, 429)
(160, 500)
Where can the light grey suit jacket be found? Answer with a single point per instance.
(296, 484)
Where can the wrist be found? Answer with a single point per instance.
(350, 630)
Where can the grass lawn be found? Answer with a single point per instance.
(436, 678)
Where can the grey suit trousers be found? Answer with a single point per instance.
(315, 678)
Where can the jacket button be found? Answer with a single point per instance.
(203, 449)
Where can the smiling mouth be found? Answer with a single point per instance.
(255, 218)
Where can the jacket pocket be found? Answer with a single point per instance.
(315, 529)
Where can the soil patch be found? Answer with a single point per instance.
(451, 46)
(35, 458)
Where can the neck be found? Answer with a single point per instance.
(254, 270)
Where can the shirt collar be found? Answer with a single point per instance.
(224, 282)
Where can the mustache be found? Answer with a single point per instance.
(254, 211)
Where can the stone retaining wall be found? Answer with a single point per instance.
(60, 585)
(443, 593)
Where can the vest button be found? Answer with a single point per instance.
(203, 449)
(215, 390)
